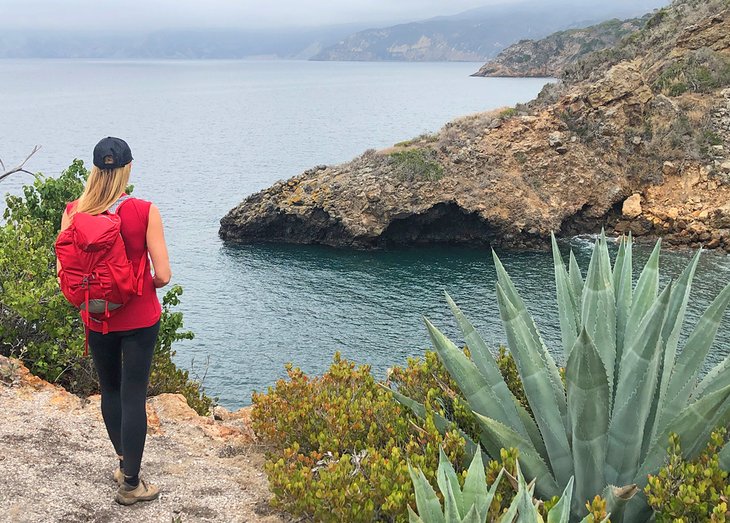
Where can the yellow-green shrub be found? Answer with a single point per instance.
(695, 490)
(339, 445)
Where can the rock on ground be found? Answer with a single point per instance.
(56, 462)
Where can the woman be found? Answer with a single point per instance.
(123, 356)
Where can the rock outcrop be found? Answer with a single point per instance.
(56, 461)
(565, 162)
(549, 56)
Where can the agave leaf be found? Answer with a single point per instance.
(713, 380)
(541, 351)
(618, 264)
(505, 437)
(560, 513)
(670, 334)
(634, 393)
(567, 310)
(451, 504)
(475, 484)
(532, 431)
(473, 516)
(442, 424)
(716, 379)
(616, 500)
(537, 383)
(575, 277)
(724, 457)
(484, 360)
(644, 295)
(622, 281)
(693, 425)
(509, 516)
(476, 389)
(526, 510)
(588, 403)
(605, 258)
(449, 485)
(689, 362)
(427, 503)
(598, 315)
(475, 491)
(413, 517)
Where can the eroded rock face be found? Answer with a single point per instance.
(500, 184)
(505, 178)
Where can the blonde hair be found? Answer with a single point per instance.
(103, 188)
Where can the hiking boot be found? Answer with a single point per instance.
(127, 495)
(119, 476)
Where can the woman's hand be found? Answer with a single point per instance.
(158, 248)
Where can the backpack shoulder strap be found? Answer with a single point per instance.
(114, 209)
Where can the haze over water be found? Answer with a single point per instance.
(206, 134)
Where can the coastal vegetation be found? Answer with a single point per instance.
(629, 429)
(628, 393)
(38, 325)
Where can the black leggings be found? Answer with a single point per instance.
(123, 360)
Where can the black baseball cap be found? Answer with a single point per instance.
(116, 148)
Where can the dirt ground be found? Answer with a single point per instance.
(56, 462)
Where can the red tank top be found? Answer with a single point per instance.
(140, 311)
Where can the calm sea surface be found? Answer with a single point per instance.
(206, 134)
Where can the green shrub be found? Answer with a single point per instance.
(701, 72)
(38, 324)
(508, 113)
(695, 490)
(35, 317)
(339, 444)
(416, 164)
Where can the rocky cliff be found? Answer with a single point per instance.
(549, 56)
(56, 461)
(636, 122)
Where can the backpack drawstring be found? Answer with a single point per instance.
(85, 316)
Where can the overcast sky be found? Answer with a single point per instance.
(154, 14)
(146, 14)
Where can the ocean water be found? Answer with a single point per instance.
(205, 134)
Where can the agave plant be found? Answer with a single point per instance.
(471, 504)
(627, 386)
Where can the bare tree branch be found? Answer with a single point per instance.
(19, 168)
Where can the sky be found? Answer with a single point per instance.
(95, 15)
(155, 14)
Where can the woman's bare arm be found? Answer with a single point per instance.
(65, 222)
(158, 248)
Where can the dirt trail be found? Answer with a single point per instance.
(56, 462)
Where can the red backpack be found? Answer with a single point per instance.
(96, 275)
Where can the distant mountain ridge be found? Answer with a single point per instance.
(549, 56)
(477, 34)
(172, 43)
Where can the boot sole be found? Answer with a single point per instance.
(132, 500)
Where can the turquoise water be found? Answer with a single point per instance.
(206, 134)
